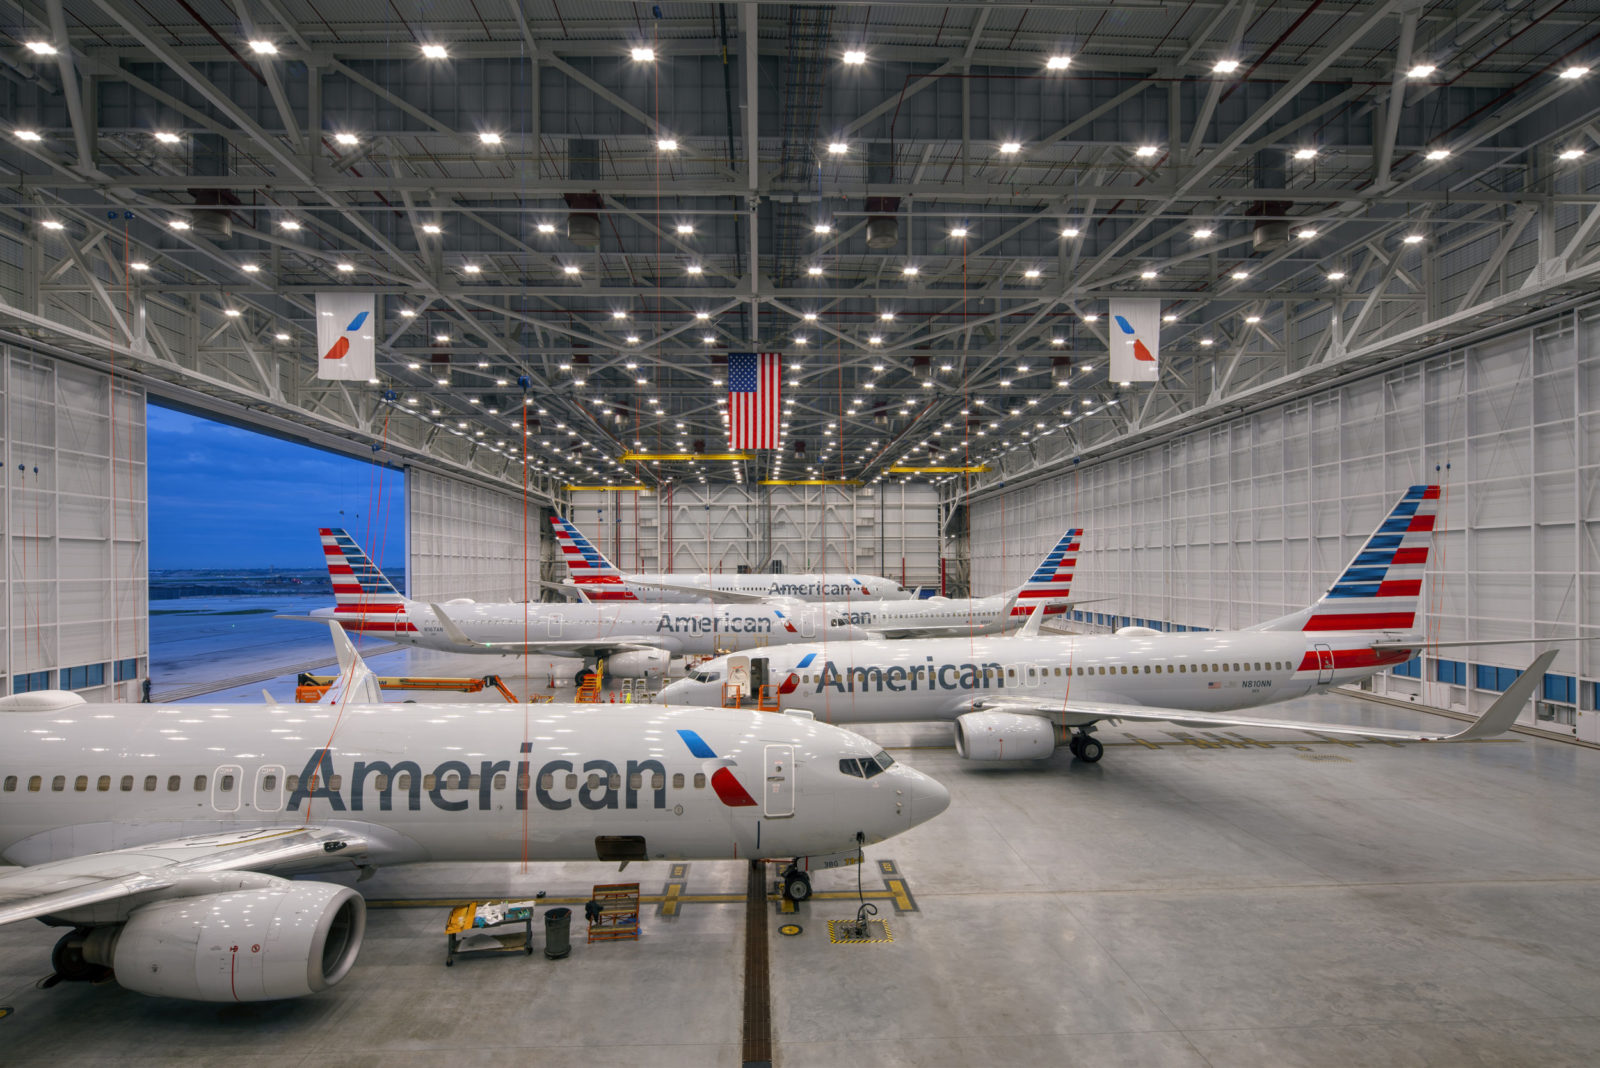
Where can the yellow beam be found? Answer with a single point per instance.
(637, 457)
(811, 482)
(974, 469)
(610, 489)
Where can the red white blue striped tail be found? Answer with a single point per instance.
(1051, 582)
(588, 566)
(363, 598)
(1382, 586)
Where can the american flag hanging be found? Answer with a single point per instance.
(754, 399)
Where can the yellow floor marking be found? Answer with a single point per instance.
(888, 936)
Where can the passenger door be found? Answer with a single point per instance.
(779, 791)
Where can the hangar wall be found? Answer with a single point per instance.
(74, 592)
(889, 529)
(1253, 518)
(464, 540)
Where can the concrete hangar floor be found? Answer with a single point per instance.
(1298, 903)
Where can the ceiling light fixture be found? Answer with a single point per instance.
(166, 137)
(489, 137)
(1570, 74)
(838, 148)
(667, 144)
(1225, 66)
(1146, 151)
(263, 48)
(435, 51)
(1071, 231)
(45, 48)
(855, 57)
(1058, 62)
(1011, 147)
(1305, 153)
(1421, 70)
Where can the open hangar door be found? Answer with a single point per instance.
(465, 540)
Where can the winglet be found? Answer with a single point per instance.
(356, 680)
(451, 631)
(1031, 627)
(1503, 713)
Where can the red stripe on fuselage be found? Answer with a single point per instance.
(1357, 658)
(384, 627)
(1362, 621)
(369, 606)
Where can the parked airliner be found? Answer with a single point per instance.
(640, 639)
(1016, 698)
(601, 580)
(162, 836)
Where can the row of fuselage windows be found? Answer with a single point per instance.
(1114, 669)
(226, 782)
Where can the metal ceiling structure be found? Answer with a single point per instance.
(570, 213)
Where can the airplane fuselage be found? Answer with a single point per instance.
(825, 587)
(446, 782)
(861, 682)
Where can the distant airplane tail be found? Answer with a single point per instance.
(1381, 588)
(363, 598)
(588, 565)
(1050, 584)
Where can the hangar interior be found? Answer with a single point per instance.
(1374, 233)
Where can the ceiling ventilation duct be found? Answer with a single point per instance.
(208, 158)
(883, 229)
(1271, 230)
(583, 165)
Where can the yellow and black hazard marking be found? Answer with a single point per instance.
(879, 929)
(790, 929)
(6, 1010)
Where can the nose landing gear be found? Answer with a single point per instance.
(1086, 747)
(796, 884)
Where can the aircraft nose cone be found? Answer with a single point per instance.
(928, 798)
(673, 693)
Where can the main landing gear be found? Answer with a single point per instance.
(796, 884)
(1086, 747)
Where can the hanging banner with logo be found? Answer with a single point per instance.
(1135, 335)
(345, 328)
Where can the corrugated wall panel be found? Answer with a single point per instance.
(463, 540)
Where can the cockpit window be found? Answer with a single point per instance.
(884, 759)
(850, 766)
(708, 676)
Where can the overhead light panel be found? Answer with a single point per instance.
(1070, 231)
(547, 228)
(1570, 154)
(1031, 272)
(1058, 63)
(288, 224)
(643, 55)
(249, 268)
(1335, 276)
(1306, 234)
(822, 228)
(910, 270)
(1225, 66)
(1305, 153)
(1204, 232)
(179, 224)
(1436, 154)
(686, 228)
(263, 48)
(346, 138)
(166, 137)
(855, 57)
(29, 135)
(345, 268)
(471, 268)
(1421, 70)
(489, 137)
(959, 231)
(435, 51)
(667, 144)
(570, 268)
(45, 48)
(814, 270)
(1240, 276)
(1011, 147)
(1147, 274)
(838, 148)
(1146, 151)
(1571, 74)
(53, 224)
(1412, 239)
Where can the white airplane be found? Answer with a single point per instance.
(163, 836)
(1016, 698)
(641, 638)
(600, 580)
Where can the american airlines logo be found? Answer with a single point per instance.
(710, 624)
(342, 346)
(901, 679)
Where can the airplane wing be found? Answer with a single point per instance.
(1499, 717)
(573, 647)
(62, 885)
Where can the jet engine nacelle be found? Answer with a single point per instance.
(245, 945)
(639, 663)
(1004, 736)
(1138, 632)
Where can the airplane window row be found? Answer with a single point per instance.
(919, 673)
(80, 783)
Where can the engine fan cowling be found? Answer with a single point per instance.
(1004, 736)
(639, 663)
(246, 945)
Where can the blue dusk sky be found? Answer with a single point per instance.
(225, 497)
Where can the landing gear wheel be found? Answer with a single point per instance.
(796, 885)
(1075, 746)
(1090, 750)
(582, 677)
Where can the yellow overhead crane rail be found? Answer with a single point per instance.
(569, 487)
(810, 482)
(973, 470)
(684, 457)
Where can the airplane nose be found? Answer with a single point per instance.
(928, 798)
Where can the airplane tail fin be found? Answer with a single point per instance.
(356, 682)
(1050, 584)
(1381, 588)
(588, 566)
(363, 597)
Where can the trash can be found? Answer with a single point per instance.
(557, 933)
